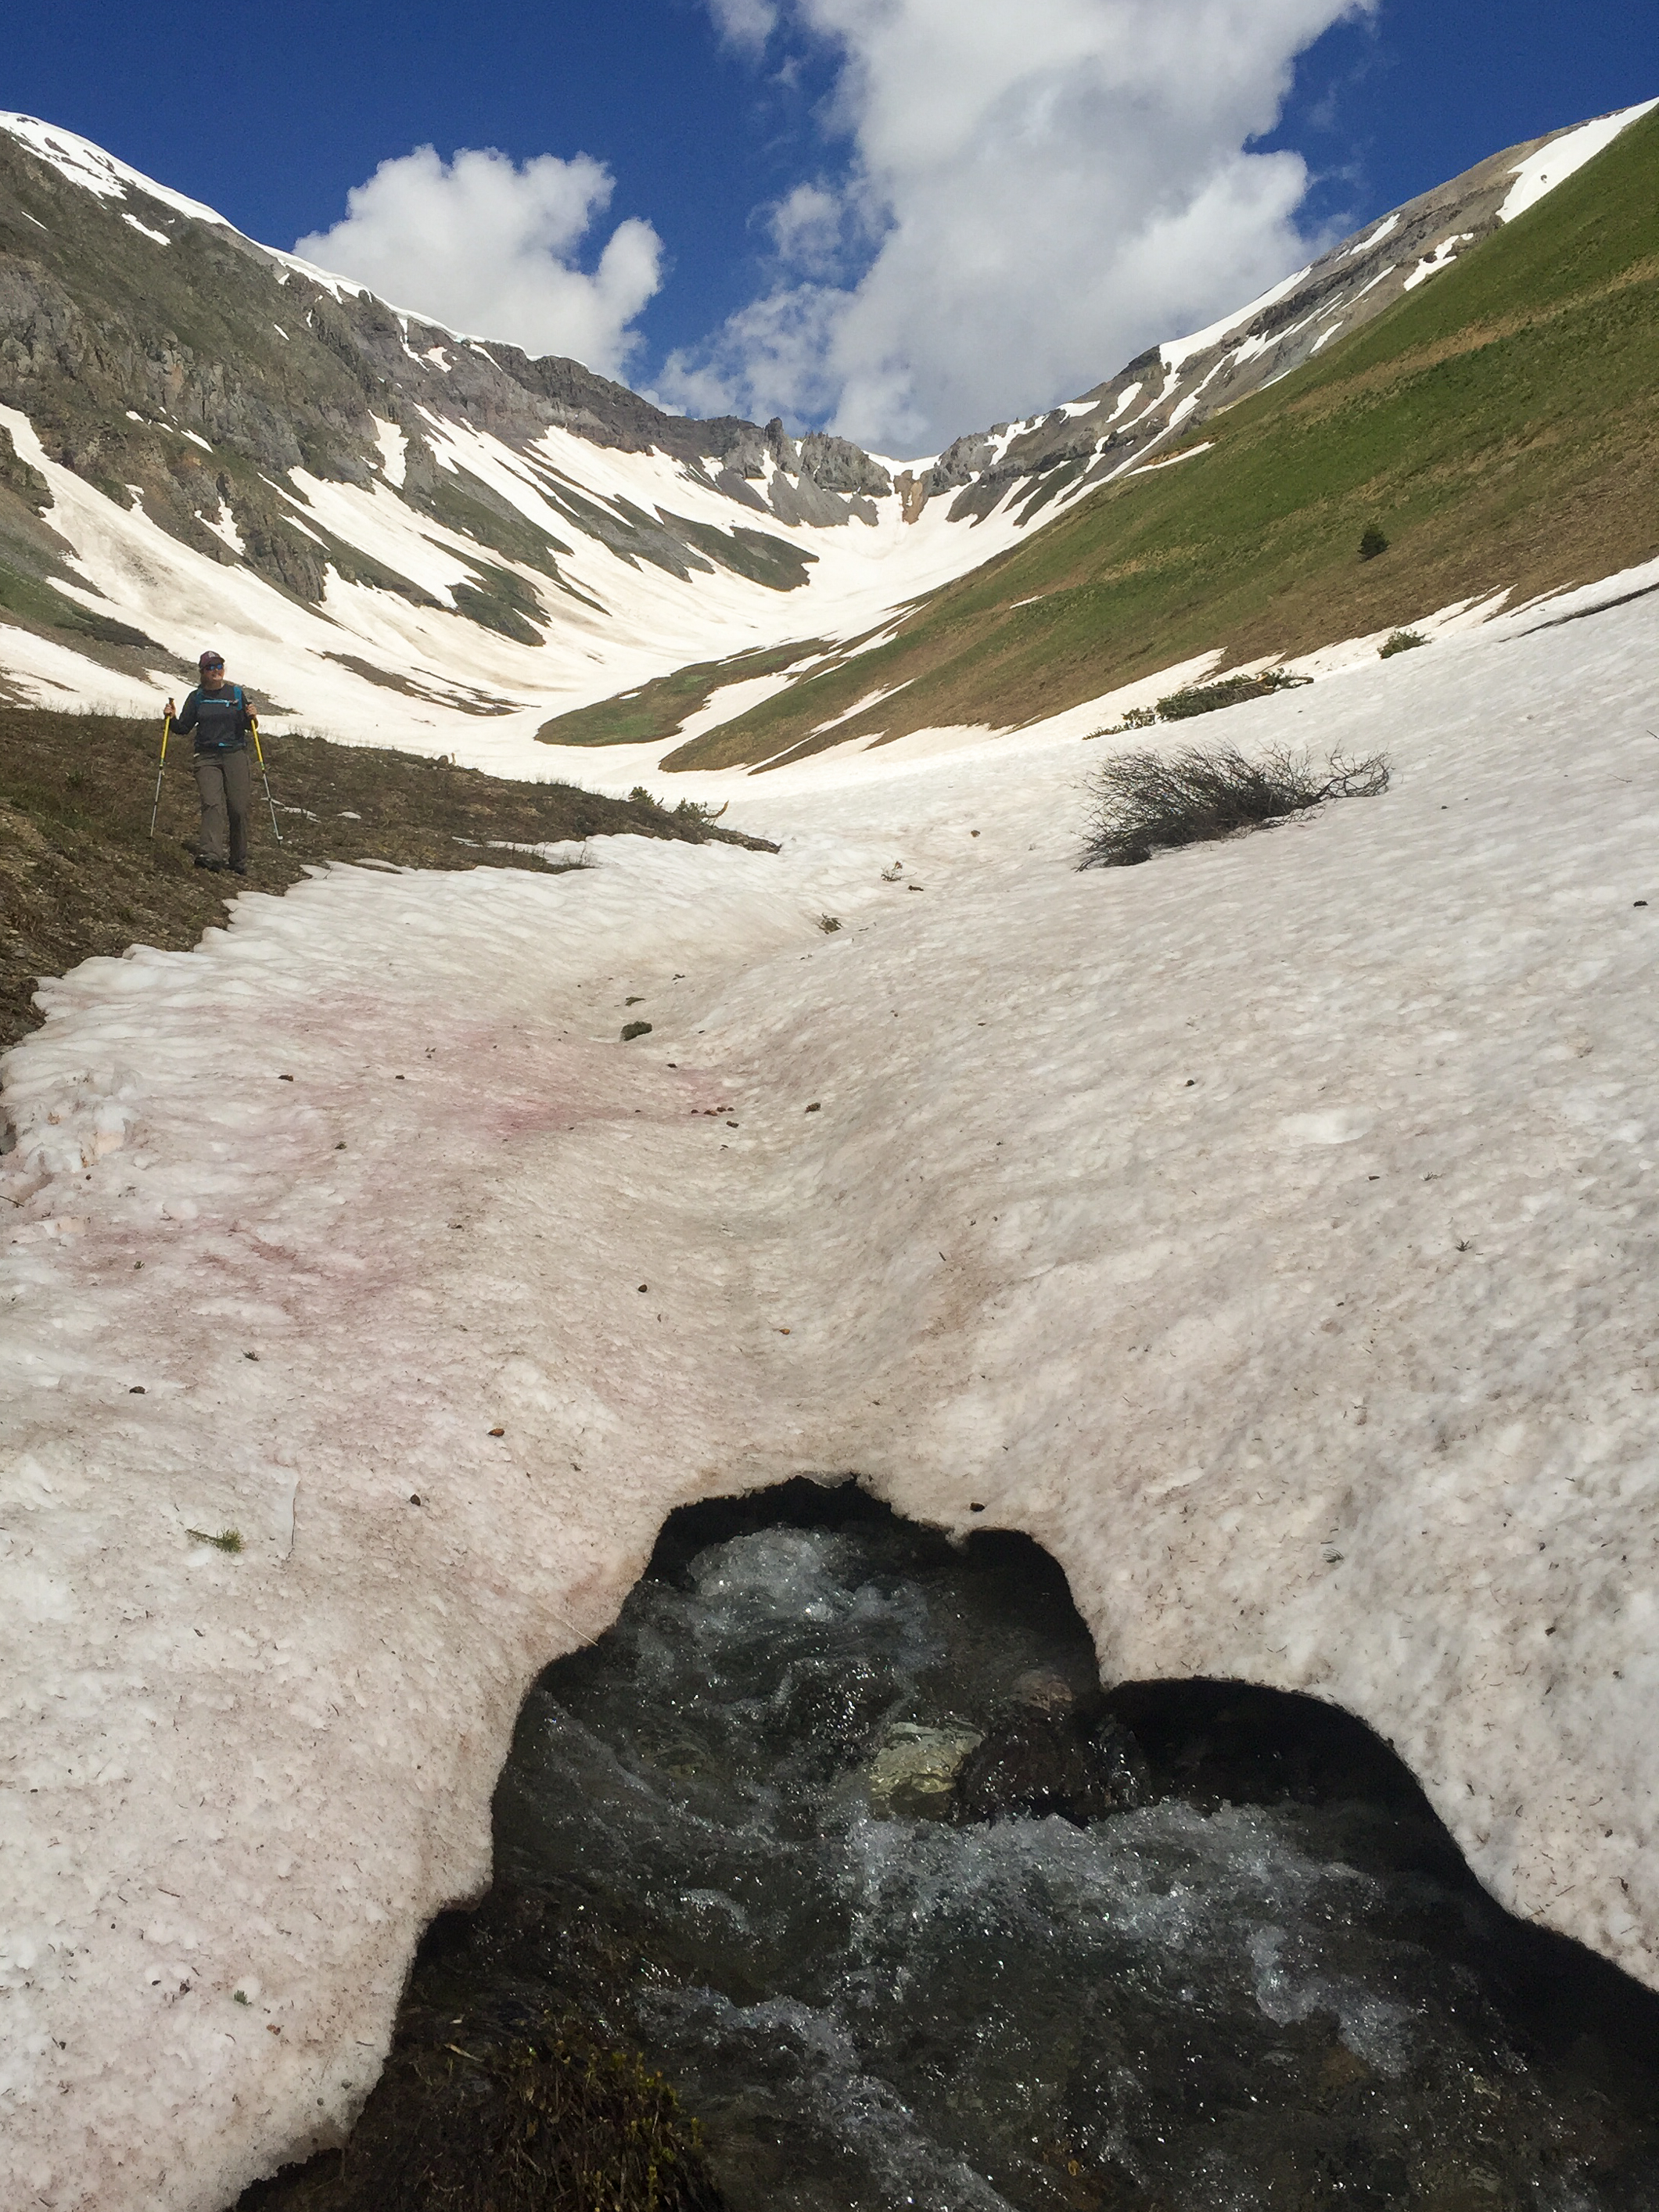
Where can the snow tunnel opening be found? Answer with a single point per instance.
(836, 1829)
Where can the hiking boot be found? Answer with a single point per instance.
(239, 868)
(203, 861)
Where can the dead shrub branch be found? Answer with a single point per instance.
(1148, 802)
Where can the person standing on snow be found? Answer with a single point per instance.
(219, 717)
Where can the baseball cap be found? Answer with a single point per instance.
(211, 660)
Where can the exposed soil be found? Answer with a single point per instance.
(80, 873)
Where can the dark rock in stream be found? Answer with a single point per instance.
(1038, 1763)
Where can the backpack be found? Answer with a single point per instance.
(223, 710)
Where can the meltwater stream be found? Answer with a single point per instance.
(749, 1830)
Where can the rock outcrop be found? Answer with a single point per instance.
(172, 362)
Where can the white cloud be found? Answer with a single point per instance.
(806, 227)
(1051, 187)
(744, 22)
(491, 249)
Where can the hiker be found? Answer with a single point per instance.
(219, 715)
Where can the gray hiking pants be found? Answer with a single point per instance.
(226, 784)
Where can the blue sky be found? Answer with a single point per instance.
(709, 114)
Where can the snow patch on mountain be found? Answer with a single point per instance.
(88, 166)
(1560, 156)
(1442, 257)
(617, 625)
(1175, 353)
(1275, 333)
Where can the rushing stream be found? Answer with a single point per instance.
(1266, 1979)
(836, 1825)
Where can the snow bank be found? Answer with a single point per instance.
(1558, 157)
(1270, 1231)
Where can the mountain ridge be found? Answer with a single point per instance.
(197, 431)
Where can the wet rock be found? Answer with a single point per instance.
(828, 1711)
(1039, 1761)
(914, 1772)
(1044, 1690)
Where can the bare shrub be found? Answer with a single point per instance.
(1148, 802)
(697, 813)
(1400, 641)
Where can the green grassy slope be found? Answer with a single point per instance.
(1499, 423)
(658, 708)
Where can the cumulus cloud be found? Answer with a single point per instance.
(1044, 191)
(495, 250)
(744, 22)
(806, 227)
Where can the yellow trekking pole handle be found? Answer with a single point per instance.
(253, 726)
(167, 725)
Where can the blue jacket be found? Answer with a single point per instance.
(219, 718)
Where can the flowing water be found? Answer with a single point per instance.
(734, 1831)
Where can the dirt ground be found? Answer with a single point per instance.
(80, 873)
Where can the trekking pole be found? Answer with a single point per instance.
(253, 725)
(167, 724)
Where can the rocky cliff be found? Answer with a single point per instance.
(174, 365)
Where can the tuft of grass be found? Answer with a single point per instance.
(549, 2119)
(1203, 699)
(507, 2089)
(1148, 802)
(530, 2126)
(479, 2118)
(227, 1540)
(694, 813)
(1400, 641)
(1371, 543)
(829, 923)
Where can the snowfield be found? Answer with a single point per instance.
(463, 689)
(1270, 1231)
